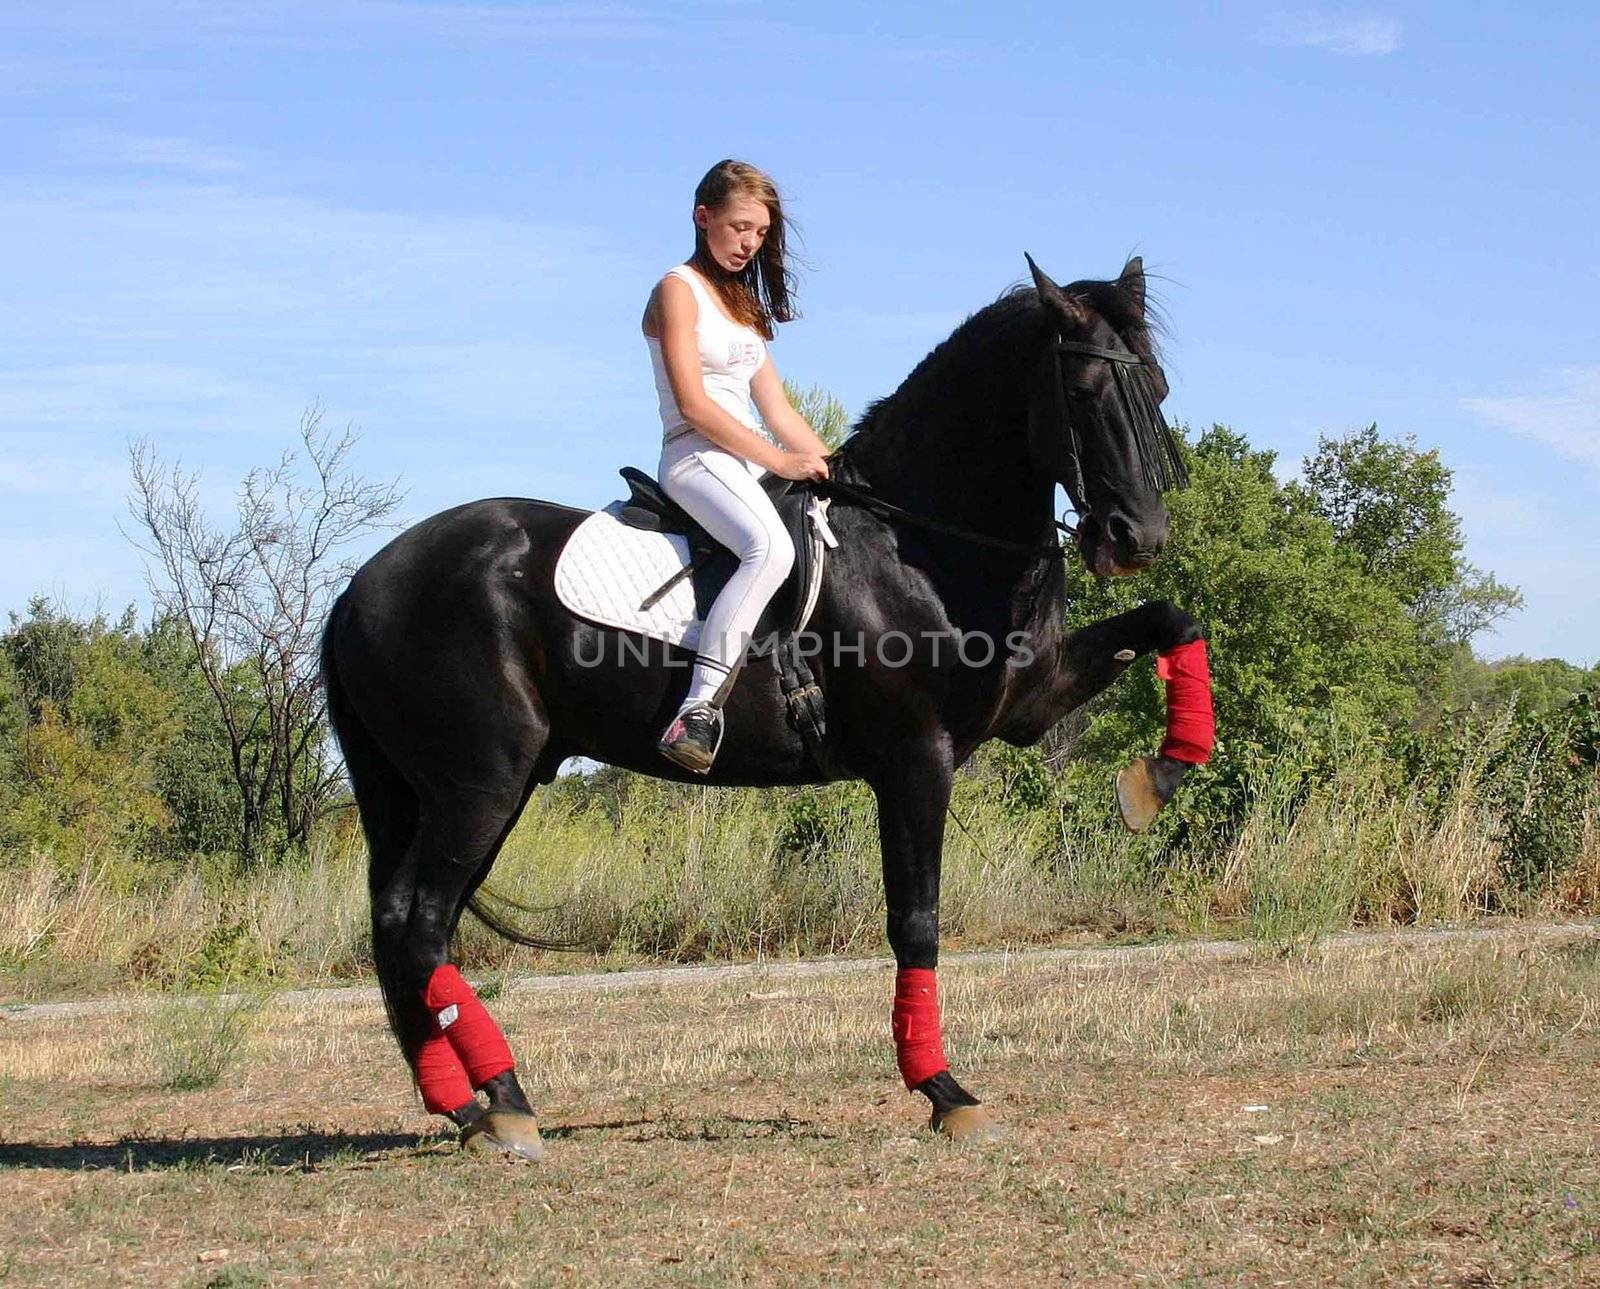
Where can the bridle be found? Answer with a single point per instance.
(1141, 409)
(1143, 414)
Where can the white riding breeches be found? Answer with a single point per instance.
(720, 491)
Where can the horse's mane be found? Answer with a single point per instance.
(1015, 310)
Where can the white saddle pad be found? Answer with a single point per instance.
(608, 569)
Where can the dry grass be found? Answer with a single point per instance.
(1428, 1120)
(1580, 888)
(663, 872)
(97, 930)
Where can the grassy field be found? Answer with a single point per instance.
(1420, 1114)
(648, 871)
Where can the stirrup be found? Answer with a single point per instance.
(693, 738)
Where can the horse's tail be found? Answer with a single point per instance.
(388, 807)
(494, 908)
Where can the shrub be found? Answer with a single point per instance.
(194, 1042)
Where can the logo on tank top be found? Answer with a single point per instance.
(742, 353)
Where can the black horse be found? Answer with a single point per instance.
(458, 682)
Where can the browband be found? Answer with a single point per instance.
(1094, 351)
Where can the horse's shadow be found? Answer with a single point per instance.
(302, 1150)
(690, 1127)
(308, 1151)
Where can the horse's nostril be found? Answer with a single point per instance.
(1121, 532)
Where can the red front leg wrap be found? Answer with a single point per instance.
(1191, 724)
(918, 1035)
(467, 1026)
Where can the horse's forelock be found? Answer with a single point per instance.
(1140, 323)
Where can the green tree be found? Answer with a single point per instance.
(1536, 687)
(825, 413)
(13, 721)
(41, 648)
(194, 774)
(108, 737)
(1295, 625)
(83, 775)
(1389, 505)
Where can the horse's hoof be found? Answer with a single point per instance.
(502, 1132)
(1139, 796)
(967, 1124)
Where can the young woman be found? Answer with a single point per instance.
(707, 324)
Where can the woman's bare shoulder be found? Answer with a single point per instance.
(673, 298)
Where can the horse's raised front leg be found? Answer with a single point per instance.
(1098, 654)
(912, 795)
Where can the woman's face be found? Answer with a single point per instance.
(734, 231)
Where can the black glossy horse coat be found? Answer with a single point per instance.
(458, 682)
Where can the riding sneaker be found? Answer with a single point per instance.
(693, 737)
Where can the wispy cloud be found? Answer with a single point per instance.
(545, 382)
(129, 265)
(336, 24)
(24, 75)
(1565, 416)
(210, 315)
(126, 396)
(1488, 511)
(158, 152)
(1370, 36)
(102, 480)
(537, 23)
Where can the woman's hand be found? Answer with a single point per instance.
(802, 467)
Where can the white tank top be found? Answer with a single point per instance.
(730, 354)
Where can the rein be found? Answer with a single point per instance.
(876, 505)
(888, 510)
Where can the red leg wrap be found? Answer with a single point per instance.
(1191, 724)
(918, 1037)
(441, 1077)
(471, 1031)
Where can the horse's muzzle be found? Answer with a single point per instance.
(1118, 548)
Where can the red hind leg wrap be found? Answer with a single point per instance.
(1191, 724)
(471, 1031)
(918, 1035)
(441, 1076)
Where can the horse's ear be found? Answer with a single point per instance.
(1041, 279)
(1132, 284)
(1070, 307)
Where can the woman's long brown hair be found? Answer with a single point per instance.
(761, 293)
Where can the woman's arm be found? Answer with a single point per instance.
(786, 424)
(675, 311)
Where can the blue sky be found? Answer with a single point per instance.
(439, 222)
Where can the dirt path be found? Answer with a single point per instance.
(655, 977)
